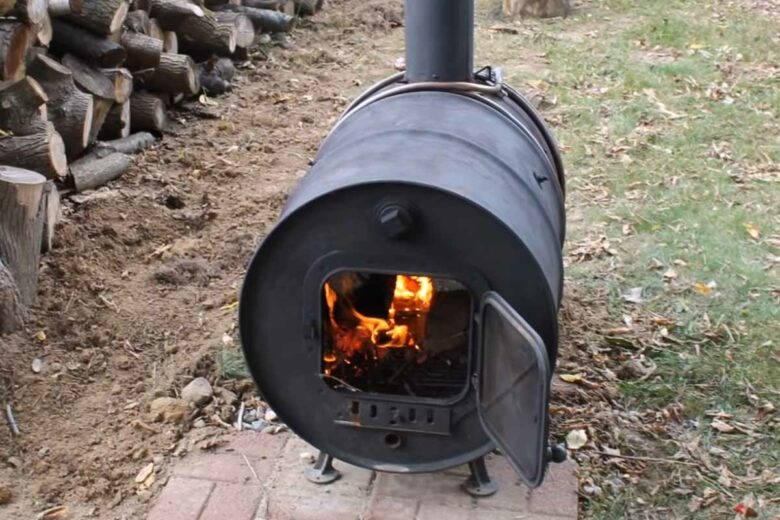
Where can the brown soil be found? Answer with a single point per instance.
(137, 294)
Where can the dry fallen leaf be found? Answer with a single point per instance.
(752, 230)
(722, 426)
(54, 513)
(571, 378)
(576, 439)
(702, 288)
(40, 336)
(144, 473)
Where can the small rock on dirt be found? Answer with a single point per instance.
(226, 395)
(169, 409)
(198, 392)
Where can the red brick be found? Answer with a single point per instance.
(225, 467)
(232, 502)
(391, 508)
(182, 499)
(558, 495)
(314, 504)
(258, 445)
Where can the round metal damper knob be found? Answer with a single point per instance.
(394, 220)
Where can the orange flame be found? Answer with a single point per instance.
(353, 332)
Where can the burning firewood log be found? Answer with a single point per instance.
(23, 107)
(93, 171)
(147, 112)
(101, 51)
(69, 109)
(15, 40)
(21, 227)
(143, 52)
(117, 123)
(100, 16)
(264, 20)
(42, 152)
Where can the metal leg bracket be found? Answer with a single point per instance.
(322, 472)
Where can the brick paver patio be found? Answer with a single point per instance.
(259, 477)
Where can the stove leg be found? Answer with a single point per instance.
(479, 483)
(322, 472)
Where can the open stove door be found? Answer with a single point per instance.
(512, 387)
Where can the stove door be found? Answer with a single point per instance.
(512, 387)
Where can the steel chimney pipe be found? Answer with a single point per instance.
(439, 40)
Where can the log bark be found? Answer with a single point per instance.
(12, 312)
(129, 145)
(90, 80)
(140, 5)
(123, 83)
(143, 52)
(156, 30)
(176, 73)
(30, 11)
(138, 22)
(21, 226)
(6, 6)
(207, 34)
(170, 42)
(23, 107)
(245, 29)
(100, 51)
(91, 172)
(15, 40)
(212, 81)
(285, 6)
(69, 109)
(101, 16)
(147, 113)
(50, 205)
(43, 153)
(265, 20)
(117, 123)
(171, 13)
(45, 31)
(58, 8)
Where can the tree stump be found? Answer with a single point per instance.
(21, 227)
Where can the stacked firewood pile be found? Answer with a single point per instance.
(87, 83)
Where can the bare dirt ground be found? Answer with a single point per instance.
(137, 295)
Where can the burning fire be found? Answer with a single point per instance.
(405, 324)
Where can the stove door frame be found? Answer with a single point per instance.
(516, 419)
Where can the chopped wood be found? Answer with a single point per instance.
(176, 73)
(23, 107)
(285, 6)
(89, 79)
(12, 311)
(156, 30)
(170, 13)
(143, 52)
(265, 20)
(138, 21)
(91, 171)
(69, 109)
(98, 50)
(30, 11)
(207, 34)
(59, 8)
(307, 7)
(6, 6)
(212, 81)
(21, 226)
(140, 5)
(129, 145)
(15, 40)
(45, 31)
(99, 114)
(101, 16)
(245, 29)
(170, 42)
(147, 112)
(117, 123)
(50, 204)
(43, 152)
(226, 68)
(123, 83)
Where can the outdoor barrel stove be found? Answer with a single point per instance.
(402, 314)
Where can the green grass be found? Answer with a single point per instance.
(669, 112)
